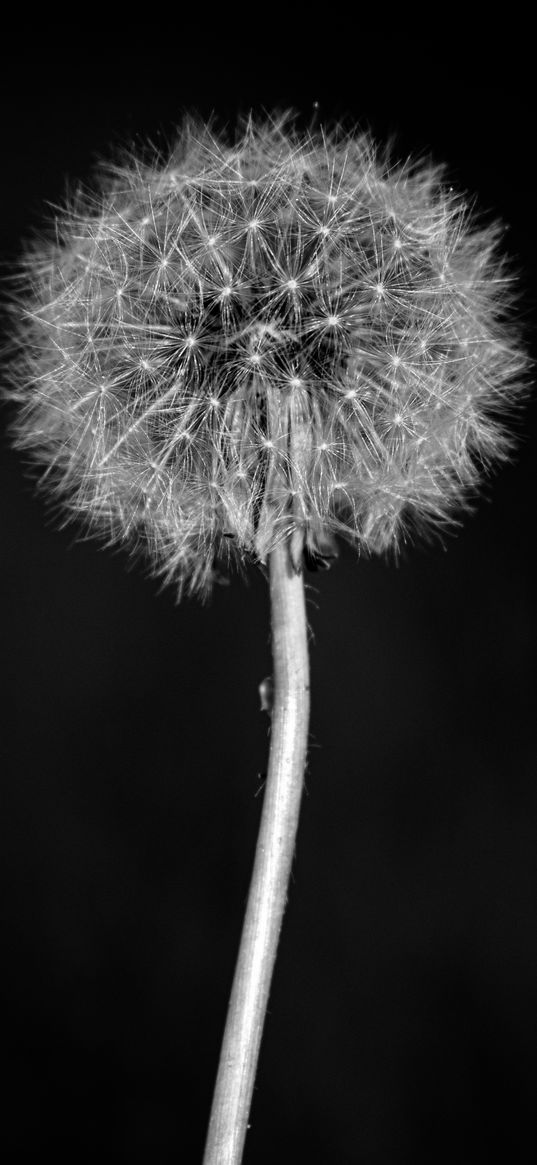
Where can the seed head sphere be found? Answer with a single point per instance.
(284, 335)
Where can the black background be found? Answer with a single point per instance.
(402, 1023)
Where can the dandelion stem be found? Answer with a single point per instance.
(274, 854)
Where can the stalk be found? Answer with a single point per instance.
(272, 866)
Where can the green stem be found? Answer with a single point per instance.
(274, 854)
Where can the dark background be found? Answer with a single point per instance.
(403, 1018)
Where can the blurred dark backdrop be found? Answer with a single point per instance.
(403, 1016)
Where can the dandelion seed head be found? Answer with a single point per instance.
(282, 331)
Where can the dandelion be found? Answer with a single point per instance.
(245, 351)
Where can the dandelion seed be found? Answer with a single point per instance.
(323, 295)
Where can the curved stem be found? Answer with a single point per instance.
(274, 854)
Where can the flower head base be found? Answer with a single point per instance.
(284, 336)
